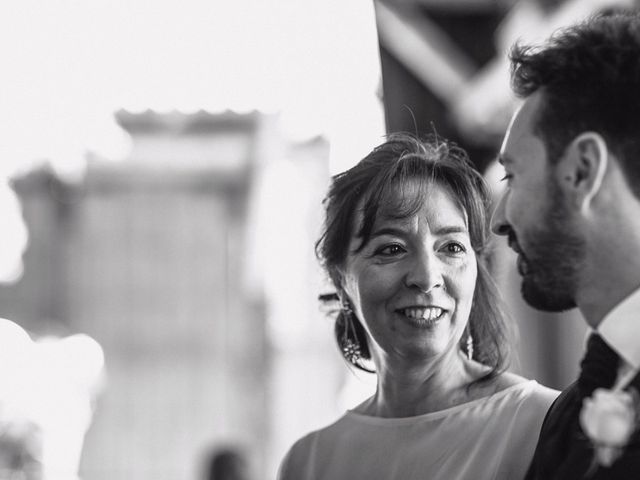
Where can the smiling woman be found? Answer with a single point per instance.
(427, 191)
(429, 252)
(406, 244)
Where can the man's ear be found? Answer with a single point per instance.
(584, 167)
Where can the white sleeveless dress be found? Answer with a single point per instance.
(489, 438)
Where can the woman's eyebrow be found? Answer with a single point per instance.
(449, 229)
(444, 230)
(388, 231)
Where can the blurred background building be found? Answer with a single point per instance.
(167, 163)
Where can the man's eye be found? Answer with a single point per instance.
(390, 250)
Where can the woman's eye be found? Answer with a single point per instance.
(507, 177)
(390, 250)
(455, 247)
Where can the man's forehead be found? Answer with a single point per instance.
(521, 129)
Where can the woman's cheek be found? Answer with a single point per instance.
(380, 280)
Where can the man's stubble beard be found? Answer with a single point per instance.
(554, 255)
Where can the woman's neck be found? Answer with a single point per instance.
(407, 390)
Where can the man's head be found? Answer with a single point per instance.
(535, 217)
(589, 75)
(580, 120)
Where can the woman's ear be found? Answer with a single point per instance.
(337, 280)
(345, 301)
(583, 168)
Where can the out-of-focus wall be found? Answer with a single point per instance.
(192, 264)
(156, 277)
(147, 258)
(308, 373)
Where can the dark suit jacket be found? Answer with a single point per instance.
(565, 453)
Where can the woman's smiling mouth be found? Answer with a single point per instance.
(422, 316)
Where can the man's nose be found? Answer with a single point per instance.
(499, 224)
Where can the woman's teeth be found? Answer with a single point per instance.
(429, 313)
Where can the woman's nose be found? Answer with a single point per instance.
(425, 273)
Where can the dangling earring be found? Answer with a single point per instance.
(350, 344)
(469, 346)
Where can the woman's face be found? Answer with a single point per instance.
(412, 284)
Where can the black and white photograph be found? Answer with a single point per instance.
(320, 240)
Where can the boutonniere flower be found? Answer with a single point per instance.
(609, 418)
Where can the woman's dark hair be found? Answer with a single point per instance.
(589, 76)
(378, 186)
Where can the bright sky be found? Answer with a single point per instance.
(68, 65)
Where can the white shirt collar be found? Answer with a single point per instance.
(620, 328)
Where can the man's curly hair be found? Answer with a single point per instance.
(589, 76)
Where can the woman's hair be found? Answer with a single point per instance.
(383, 184)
